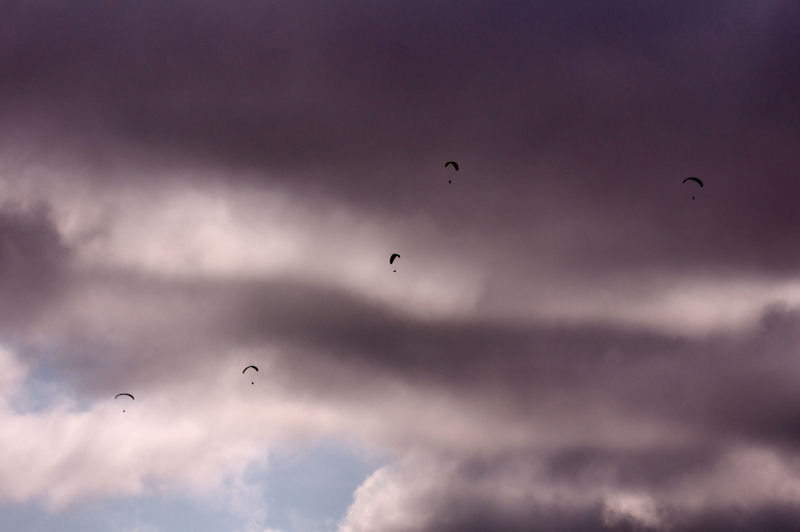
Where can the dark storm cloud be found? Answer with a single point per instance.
(574, 125)
(585, 115)
(776, 517)
(337, 348)
(33, 263)
(726, 386)
(739, 385)
(469, 515)
(244, 79)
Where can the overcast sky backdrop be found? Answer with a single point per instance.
(570, 341)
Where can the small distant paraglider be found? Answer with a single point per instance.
(394, 256)
(248, 367)
(696, 180)
(129, 395)
(454, 165)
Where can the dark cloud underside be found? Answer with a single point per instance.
(573, 124)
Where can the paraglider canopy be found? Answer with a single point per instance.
(696, 180)
(248, 367)
(129, 395)
(454, 165)
(394, 256)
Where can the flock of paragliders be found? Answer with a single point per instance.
(133, 398)
(394, 256)
(454, 164)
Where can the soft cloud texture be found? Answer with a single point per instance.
(569, 342)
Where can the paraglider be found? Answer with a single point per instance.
(696, 180)
(129, 395)
(454, 165)
(248, 367)
(394, 256)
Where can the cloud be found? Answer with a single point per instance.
(527, 405)
(33, 260)
(569, 342)
(489, 423)
(518, 495)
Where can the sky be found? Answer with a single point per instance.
(572, 338)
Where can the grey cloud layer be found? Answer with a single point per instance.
(32, 262)
(573, 125)
(571, 406)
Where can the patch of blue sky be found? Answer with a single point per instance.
(305, 491)
(313, 490)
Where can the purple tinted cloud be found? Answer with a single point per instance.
(569, 342)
